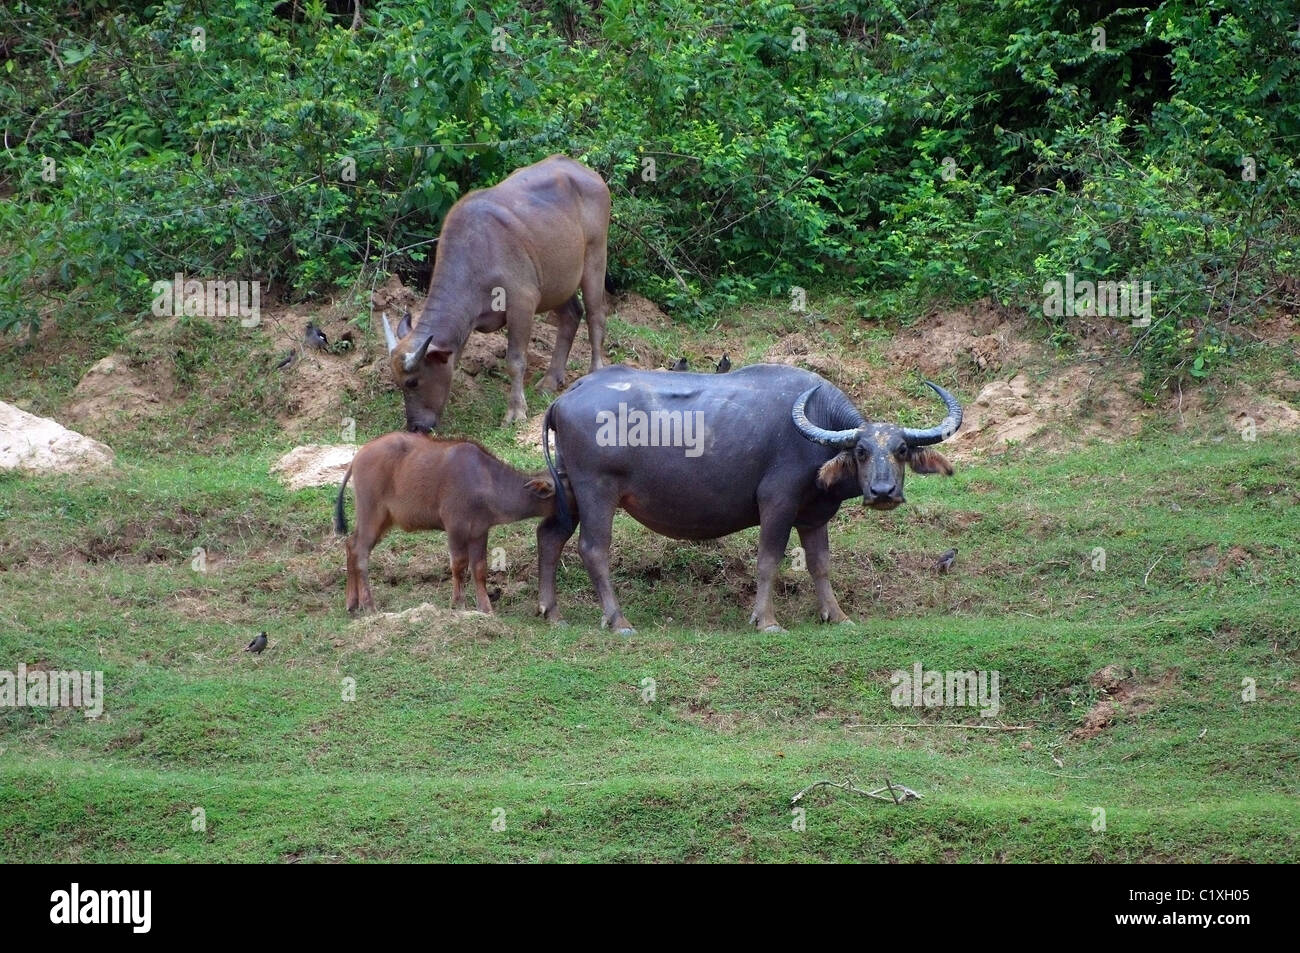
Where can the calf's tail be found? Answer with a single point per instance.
(561, 497)
(340, 518)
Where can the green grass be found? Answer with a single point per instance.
(549, 724)
(456, 717)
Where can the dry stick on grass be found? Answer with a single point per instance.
(1152, 566)
(848, 785)
(945, 724)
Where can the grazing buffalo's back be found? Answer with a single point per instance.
(696, 456)
(524, 246)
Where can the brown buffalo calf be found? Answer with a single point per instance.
(416, 482)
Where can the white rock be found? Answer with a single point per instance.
(40, 445)
(314, 464)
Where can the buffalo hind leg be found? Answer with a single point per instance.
(593, 301)
(353, 598)
(478, 566)
(363, 540)
(773, 537)
(593, 544)
(567, 318)
(817, 549)
(552, 534)
(459, 562)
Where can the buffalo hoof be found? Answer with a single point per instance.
(774, 628)
(625, 630)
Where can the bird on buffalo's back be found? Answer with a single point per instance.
(724, 365)
(257, 644)
(314, 337)
(681, 365)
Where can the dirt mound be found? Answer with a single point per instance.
(1120, 697)
(40, 445)
(314, 465)
(318, 383)
(118, 388)
(1243, 410)
(396, 298)
(1081, 401)
(981, 339)
(423, 628)
(635, 309)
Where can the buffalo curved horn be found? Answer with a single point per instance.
(830, 438)
(413, 358)
(914, 437)
(388, 335)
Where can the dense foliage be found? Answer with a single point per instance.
(895, 152)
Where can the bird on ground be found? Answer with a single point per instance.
(257, 644)
(314, 337)
(681, 365)
(944, 563)
(724, 365)
(288, 359)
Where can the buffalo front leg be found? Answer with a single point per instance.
(817, 549)
(519, 330)
(567, 317)
(593, 544)
(552, 534)
(773, 537)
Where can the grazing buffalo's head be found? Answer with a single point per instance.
(422, 371)
(875, 452)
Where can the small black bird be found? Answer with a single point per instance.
(724, 365)
(257, 644)
(288, 359)
(945, 561)
(681, 365)
(315, 337)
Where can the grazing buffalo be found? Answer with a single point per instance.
(521, 247)
(697, 456)
(416, 482)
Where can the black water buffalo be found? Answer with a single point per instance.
(698, 456)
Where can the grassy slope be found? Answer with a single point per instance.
(453, 720)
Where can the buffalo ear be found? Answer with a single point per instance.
(835, 469)
(439, 355)
(926, 460)
(404, 326)
(541, 487)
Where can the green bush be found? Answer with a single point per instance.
(899, 152)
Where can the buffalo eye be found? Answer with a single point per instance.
(410, 384)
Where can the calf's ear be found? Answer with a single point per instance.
(541, 487)
(835, 469)
(926, 460)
